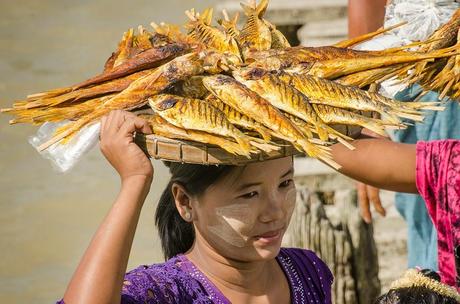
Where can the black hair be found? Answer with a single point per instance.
(416, 294)
(177, 235)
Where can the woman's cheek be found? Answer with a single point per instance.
(233, 224)
(289, 202)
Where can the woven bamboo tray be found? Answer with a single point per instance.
(197, 153)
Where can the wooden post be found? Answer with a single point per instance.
(338, 235)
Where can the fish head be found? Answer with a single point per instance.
(250, 73)
(223, 87)
(163, 102)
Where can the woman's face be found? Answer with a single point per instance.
(244, 215)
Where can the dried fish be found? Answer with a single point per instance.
(197, 115)
(297, 94)
(239, 119)
(240, 97)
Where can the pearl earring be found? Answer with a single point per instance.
(188, 216)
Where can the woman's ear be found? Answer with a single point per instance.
(183, 202)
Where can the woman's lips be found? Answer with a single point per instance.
(270, 236)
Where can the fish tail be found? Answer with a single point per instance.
(48, 94)
(67, 131)
(232, 148)
(322, 132)
(375, 127)
(432, 105)
(414, 117)
(244, 143)
(316, 152)
(390, 117)
(263, 146)
(265, 133)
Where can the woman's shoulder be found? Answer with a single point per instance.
(167, 282)
(306, 257)
(309, 268)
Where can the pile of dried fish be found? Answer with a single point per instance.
(241, 89)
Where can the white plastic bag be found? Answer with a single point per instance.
(64, 156)
(423, 17)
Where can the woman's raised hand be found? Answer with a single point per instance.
(118, 146)
(99, 275)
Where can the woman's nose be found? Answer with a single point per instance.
(273, 209)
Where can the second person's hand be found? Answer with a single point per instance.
(367, 195)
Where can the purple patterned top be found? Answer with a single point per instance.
(438, 181)
(179, 281)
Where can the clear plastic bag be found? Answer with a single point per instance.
(64, 156)
(423, 17)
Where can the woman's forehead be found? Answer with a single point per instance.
(273, 168)
(259, 172)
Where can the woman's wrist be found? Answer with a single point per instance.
(137, 185)
(137, 180)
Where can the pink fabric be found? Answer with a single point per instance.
(438, 181)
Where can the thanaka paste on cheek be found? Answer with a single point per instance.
(233, 224)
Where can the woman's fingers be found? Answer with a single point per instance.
(113, 122)
(132, 124)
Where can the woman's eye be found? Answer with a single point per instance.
(286, 183)
(250, 194)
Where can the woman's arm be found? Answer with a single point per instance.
(99, 276)
(379, 163)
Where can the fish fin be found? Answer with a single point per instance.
(262, 8)
(206, 16)
(248, 10)
(235, 19)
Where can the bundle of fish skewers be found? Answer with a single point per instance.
(245, 89)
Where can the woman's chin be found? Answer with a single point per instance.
(267, 251)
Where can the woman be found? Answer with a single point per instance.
(221, 229)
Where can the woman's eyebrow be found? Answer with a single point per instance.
(244, 186)
(247, 185)
(290, 171)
